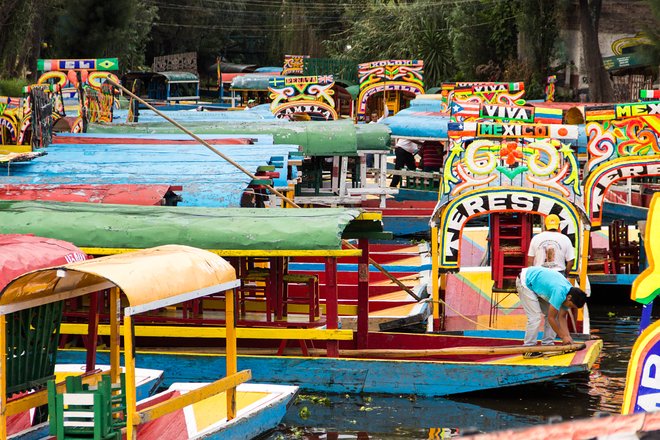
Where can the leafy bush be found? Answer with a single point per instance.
(12, 87)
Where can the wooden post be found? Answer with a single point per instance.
(115, 323)
(129, 363)
(435, 294)
(232, 364)
(584, 258)
(363, 295)
(331, 299)
(92, 331)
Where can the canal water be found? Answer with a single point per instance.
(406, 417)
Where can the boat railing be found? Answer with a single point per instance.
(418, 180)
(226, 384)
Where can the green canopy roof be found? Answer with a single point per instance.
(179, 76)
(317, 138)
(136, 227)
(254, 81)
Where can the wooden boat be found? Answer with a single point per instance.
(158, 195)
(639, 418)
(205, 178)
(168, 275)
(330, 359)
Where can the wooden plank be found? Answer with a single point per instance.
(193, 396)
(245, 253)
(218, 332)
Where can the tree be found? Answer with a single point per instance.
(21, 27)
(96, 29)
(389, 29)
(600, 87)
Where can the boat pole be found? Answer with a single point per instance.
(251, 176)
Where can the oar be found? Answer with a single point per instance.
(407, 289)
(463, 351)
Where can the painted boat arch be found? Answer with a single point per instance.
(398, 76)
(452, 217)
(623, 144)
(608, 173)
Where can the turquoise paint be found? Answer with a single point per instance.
(330, 375)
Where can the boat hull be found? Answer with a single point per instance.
(385, 376)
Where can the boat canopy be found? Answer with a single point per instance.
(240, 229)
(253, 81)
(179, 77)
(20, 254)
(316, 138)
(150, 279)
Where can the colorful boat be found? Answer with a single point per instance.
(329, 359)
(639, 418)
(108, 405)
(206, 179)
(159, 195)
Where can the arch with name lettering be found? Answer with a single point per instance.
(315, 109)
(608, 173)
(456, 213)
(394, 86)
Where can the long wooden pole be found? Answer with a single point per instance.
(251, 176)
(462, 351)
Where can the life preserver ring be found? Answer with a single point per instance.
(60, 78)
(95, 79)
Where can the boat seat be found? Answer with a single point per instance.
(308, 295)
(83, 413)
(256, 286)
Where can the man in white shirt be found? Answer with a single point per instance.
(404, 152)
(551, 248)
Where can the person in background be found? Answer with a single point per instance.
(546, 294)
(431, 153)
(551, 248)
(373, 119)
(404, 152)
(251, 103)
(248, 199)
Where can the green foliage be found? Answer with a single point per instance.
(94, 29)
(12, 87)
(399, 30)
(653, 32)
(483, 33)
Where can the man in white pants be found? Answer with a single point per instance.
(546, 294)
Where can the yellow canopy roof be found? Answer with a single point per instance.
(150, 278)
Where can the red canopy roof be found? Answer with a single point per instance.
(20, 254)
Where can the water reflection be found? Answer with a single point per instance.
(389, 418)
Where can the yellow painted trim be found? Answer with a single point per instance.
(584, 256)
(342, 309)
(435, 292)
(115, 331)
(131, 392)
(231, 361)
(217, 332)
(10, 148)
(370, 215)
(192, 396)
(245, 253)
